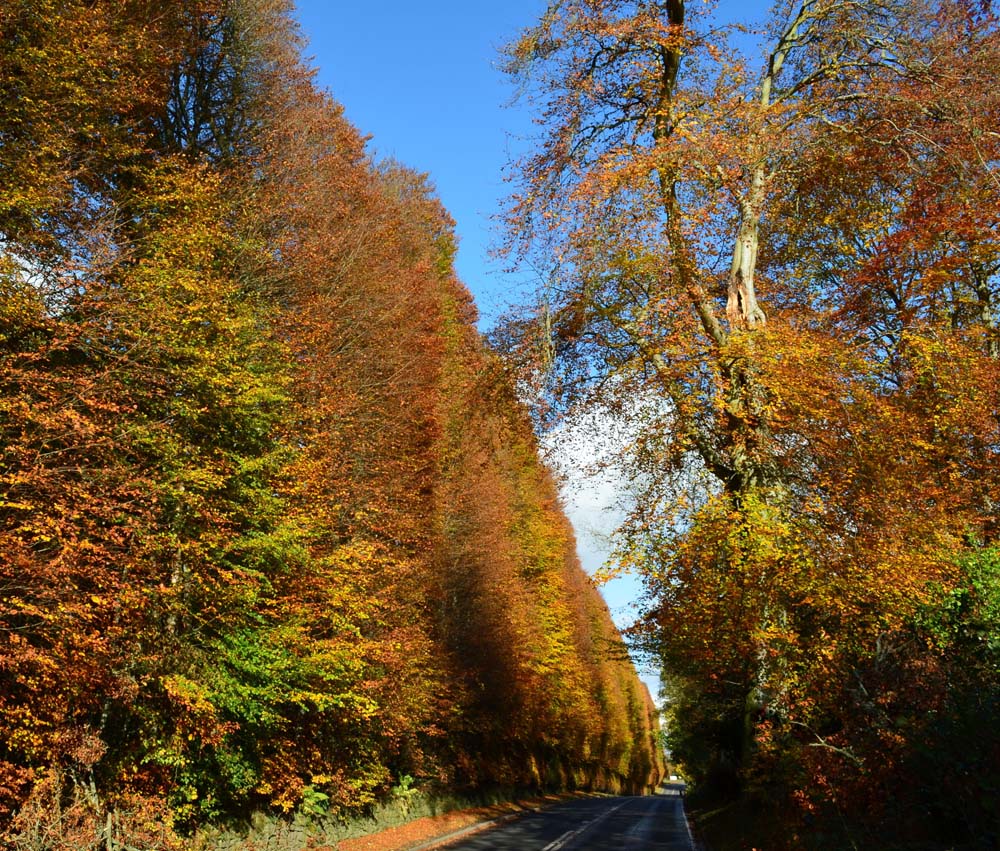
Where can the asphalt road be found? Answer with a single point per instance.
(651, 823)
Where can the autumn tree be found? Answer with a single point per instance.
(648, 180)
(142, 464)
(525, 628)
(238, 379)
(810, 413)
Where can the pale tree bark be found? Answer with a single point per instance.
(742, 307)
(682, 262)
(744, 441)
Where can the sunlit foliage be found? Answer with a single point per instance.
(784, 274)
(273, 529)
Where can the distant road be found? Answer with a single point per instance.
(652, 823)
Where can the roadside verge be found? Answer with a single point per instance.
(429, 832)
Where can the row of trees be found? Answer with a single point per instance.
(273, 531)
(785, 277)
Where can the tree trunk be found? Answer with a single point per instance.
(742, 309)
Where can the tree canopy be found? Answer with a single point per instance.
(783, 276)
(274, 531)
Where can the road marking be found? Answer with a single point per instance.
(687, 825)
(570, 835)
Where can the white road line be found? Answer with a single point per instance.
(570, 835)
(687, 824)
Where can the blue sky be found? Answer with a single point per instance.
(421, 79)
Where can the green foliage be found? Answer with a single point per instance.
(961, 629)
(314, 804)
(965, 618)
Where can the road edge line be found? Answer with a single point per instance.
(687, 825)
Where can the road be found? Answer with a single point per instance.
(651, 823)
